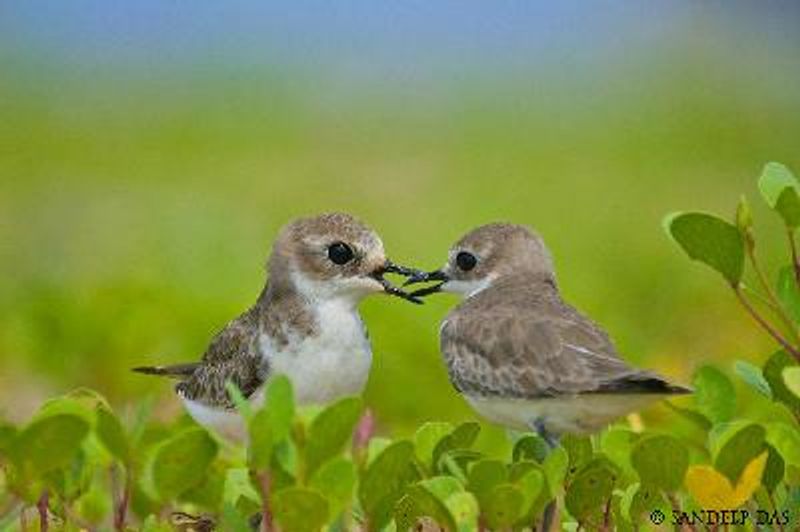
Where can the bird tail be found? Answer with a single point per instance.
(176, 371)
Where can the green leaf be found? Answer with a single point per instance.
(752, 375)
(503, 506)
(238, 485)
(300, 509)
(181, 462)
(590, 488)
(484, 476)
(697, 419)
(579, 450)
(617, 443)
(464, 508)
(419, 502)
(112, 435)
(530, 479)
(714, 394)
(271, 424)
(773, 373)
(49, 443)
(647, 498)
(234, 521)
(781, 191)
(462, 437)
(660, 461)
(330, 431)
(738, 450)
(530, 447)
(336, 479)
(384, 481)
(710, 240)
(788, 293)
(786, 439)
(791, 378)
(774, 470)
(428, 437)
(243, 406)
(555, 467)
(94, 504)
(442, 486)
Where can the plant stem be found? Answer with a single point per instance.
(265, 483)
(776, 305)
(42, 505)
(121, 510)
(775, 509)
(793, 247)
(765, 325)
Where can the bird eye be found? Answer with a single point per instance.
(340, 253)
(466, 261)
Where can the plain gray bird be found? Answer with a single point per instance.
(519, 354)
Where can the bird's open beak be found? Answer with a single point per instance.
(388, 287)
(424, 277)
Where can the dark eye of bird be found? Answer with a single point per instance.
(466, 261)
(340, 253)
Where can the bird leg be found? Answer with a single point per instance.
(549, 438)
(549, 514)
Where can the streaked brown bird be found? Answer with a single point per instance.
(305, 324)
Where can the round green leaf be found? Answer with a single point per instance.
(300, 509)
(774, 470)
(773, 373)
(50, 442)
(111, 433)
(462, 437)
(786, 439)
(336, 479)
(781, 191)
(530, 447)
(428, 437)
(484, 476)
(419, 502)
(788, 292)
(330, 431)
(660, 461)
(503, 506)
(714, 394)
(710, 240)
(384, 481)
(738, 450)
(579, 450)
(590, 488)
(181, 462)
(753, 377)
(791, 378)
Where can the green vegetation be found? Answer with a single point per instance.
(76, 464)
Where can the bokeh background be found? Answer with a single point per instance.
(150, 151)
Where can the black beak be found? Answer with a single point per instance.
(389, 288)
(423, 277)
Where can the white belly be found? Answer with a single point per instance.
(575, 414)
(333, 364)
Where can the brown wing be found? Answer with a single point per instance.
(515, 341)
(233, 355)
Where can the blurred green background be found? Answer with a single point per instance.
(150, 152)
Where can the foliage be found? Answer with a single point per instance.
(78, 464)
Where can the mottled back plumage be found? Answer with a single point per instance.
(519, 339)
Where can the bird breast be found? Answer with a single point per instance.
(333, 362)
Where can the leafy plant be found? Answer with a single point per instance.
(79, 465)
